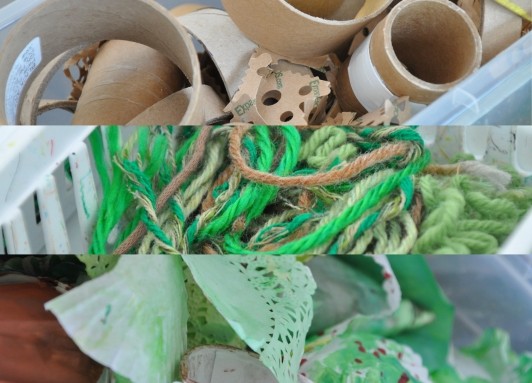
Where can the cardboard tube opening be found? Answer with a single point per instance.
(433, 42)
(331, 9)
(282, 26)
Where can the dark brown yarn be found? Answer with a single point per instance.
(199, 152)
(332, 177)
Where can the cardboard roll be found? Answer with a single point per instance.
(282, 28)
(498, 26)
(420, 50)
(58, 26)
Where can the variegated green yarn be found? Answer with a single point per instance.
(396, 205)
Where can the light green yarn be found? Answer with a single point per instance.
(465, 215)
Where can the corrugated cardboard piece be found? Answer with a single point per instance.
(281, 28)
(420, 50)
(59, 25)
(276, 91)
(229, 49)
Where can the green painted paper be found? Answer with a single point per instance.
(266, 300)
(132, 319)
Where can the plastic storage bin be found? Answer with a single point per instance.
(500, 93)
(488, 292)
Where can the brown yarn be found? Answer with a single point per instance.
(209, 250)
(305, 200)
(170, 190)
(222, 178)
(443, 170)
(330, 178)
(417, 209)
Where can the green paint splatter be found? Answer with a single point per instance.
(106, 315)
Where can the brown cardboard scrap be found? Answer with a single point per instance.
(81, 61)
(342, 118)
(243, 104)
(316, 113)
(333, 111)
(288, 91)
(230, 50)
(397, 112)
(327, 64)
(125, 79)
(500, 29)
(277, 93)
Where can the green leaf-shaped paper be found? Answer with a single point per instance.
(266, 299)
(132, 319)
(419, 286)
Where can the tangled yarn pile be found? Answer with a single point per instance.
(288, 190)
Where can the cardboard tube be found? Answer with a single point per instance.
(500, 28)
(185, 9)
(323, 9)
(125, 79)
(421, 49)
(31, 102)
(58, 25)
(283, 29)
(170, 110)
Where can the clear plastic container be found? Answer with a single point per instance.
(488, 292)
(499, 93)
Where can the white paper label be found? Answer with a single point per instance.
(26, 62)
(367, 84)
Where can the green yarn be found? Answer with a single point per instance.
(369, 213)
(255, 197)
(468, 216)
(352, 213)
